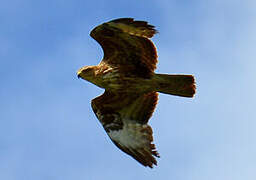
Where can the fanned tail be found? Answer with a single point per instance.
(179, 85)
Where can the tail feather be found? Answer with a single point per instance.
(179, 85)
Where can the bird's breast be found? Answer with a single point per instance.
(114, 80)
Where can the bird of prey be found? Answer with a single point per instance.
(126, 72)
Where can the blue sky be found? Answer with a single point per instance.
(48, 130)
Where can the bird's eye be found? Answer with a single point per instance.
(87, 70)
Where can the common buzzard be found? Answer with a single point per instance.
(126, 72)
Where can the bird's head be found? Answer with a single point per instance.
(86, 73)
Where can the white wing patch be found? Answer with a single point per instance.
(130, 135)
(136, 140)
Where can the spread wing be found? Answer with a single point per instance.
(125, 42)
(124, 118)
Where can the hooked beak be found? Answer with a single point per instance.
(78, 76)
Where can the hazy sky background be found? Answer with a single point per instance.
(48, 130)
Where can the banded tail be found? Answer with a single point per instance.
(179, 85)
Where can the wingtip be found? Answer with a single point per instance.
(134, 27)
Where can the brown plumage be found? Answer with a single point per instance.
(126, 72)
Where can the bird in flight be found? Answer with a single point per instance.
(126, 72)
